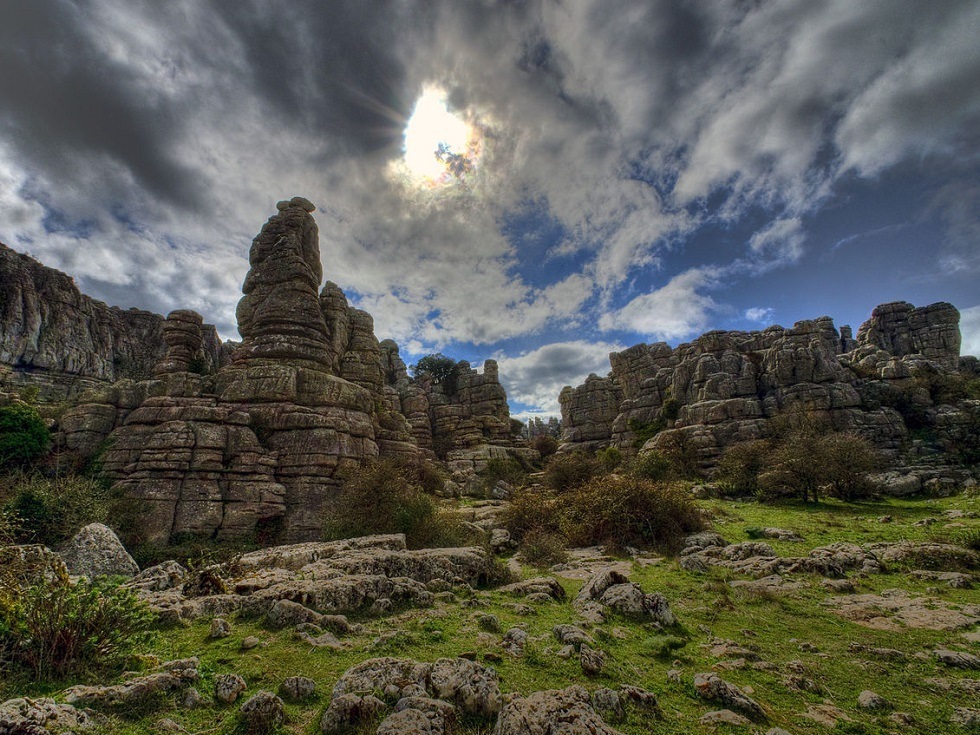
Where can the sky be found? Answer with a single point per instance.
(610, 171)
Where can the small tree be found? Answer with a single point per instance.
(850, 458)
(443, 370)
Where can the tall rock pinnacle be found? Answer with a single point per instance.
(279, 317)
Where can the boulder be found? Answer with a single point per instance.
(567, 711)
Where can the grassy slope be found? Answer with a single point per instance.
(772, 625)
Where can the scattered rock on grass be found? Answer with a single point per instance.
(552, 711)
(714, 689)
(227, 687)
(262, 713)
(297, 688)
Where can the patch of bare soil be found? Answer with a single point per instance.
(896, 609)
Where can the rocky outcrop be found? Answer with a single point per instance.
(309, 394)
(901, 329)
(63, 342)
(727, 387)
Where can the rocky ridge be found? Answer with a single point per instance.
(55, 338)
(727, 387)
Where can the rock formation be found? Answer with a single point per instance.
(727, 387)
(63, 342)
(264, 442)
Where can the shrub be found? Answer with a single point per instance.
(385, 498)
(531, 509)
(51, 510)
(609, 458)
(662, 646)
(644, 431)
(443, 370)
(625, 510)
(741, 465)
(651, 466)
(544, 444)
(755, 532)
(805, 457)
(850, 458)
(24, 437)
(507, 469)
(541, 548)
(55, 630)
(566, 471)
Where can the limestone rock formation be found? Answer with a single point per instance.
(262, 444)
(54, 337)
(727, 387)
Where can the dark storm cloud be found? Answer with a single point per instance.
(63, 102)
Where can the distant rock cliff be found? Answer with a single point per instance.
(54, 337)
(726, 387)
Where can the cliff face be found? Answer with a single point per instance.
(308, 395)
(54, 337)
(727, 387)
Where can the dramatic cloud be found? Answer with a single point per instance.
(760, 314)
(536, 378)
(645, 170)
(677, 310)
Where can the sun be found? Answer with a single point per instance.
(439, 147)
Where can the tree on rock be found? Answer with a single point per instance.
(443, 370)
(24, 437)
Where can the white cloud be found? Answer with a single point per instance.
(970, 331)
(779, 242)
(676, 310)
(536, 378)
(761, 314)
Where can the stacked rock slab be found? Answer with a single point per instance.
(309, 394)
(726, 387)
(262, 441)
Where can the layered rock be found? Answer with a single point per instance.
(263, 443)
(727, 387)
(63, 342)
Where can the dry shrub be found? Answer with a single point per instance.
(544, 444)
(531, 509)
(624, 510)
(566, 471)
(541, 548)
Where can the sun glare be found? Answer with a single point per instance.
(439, 146)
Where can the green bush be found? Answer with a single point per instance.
(741, 465)
(609, 458)
(625, 510)
(443, 370)
(541, 548)
(662, 646)
(51, 510)
(386, 497)
(57, 630)
(644, 431)
(566, 471)
(652, 466)
(24, 437)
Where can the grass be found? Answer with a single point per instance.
(773, 625)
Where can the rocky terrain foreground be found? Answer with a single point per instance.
(860, 618)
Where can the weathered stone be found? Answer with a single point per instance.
(227, 687)
(95, 551)
(43, 716)
(567, 711)
(262, 713)
(714, 689)
(297, 688)
(349, 710)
